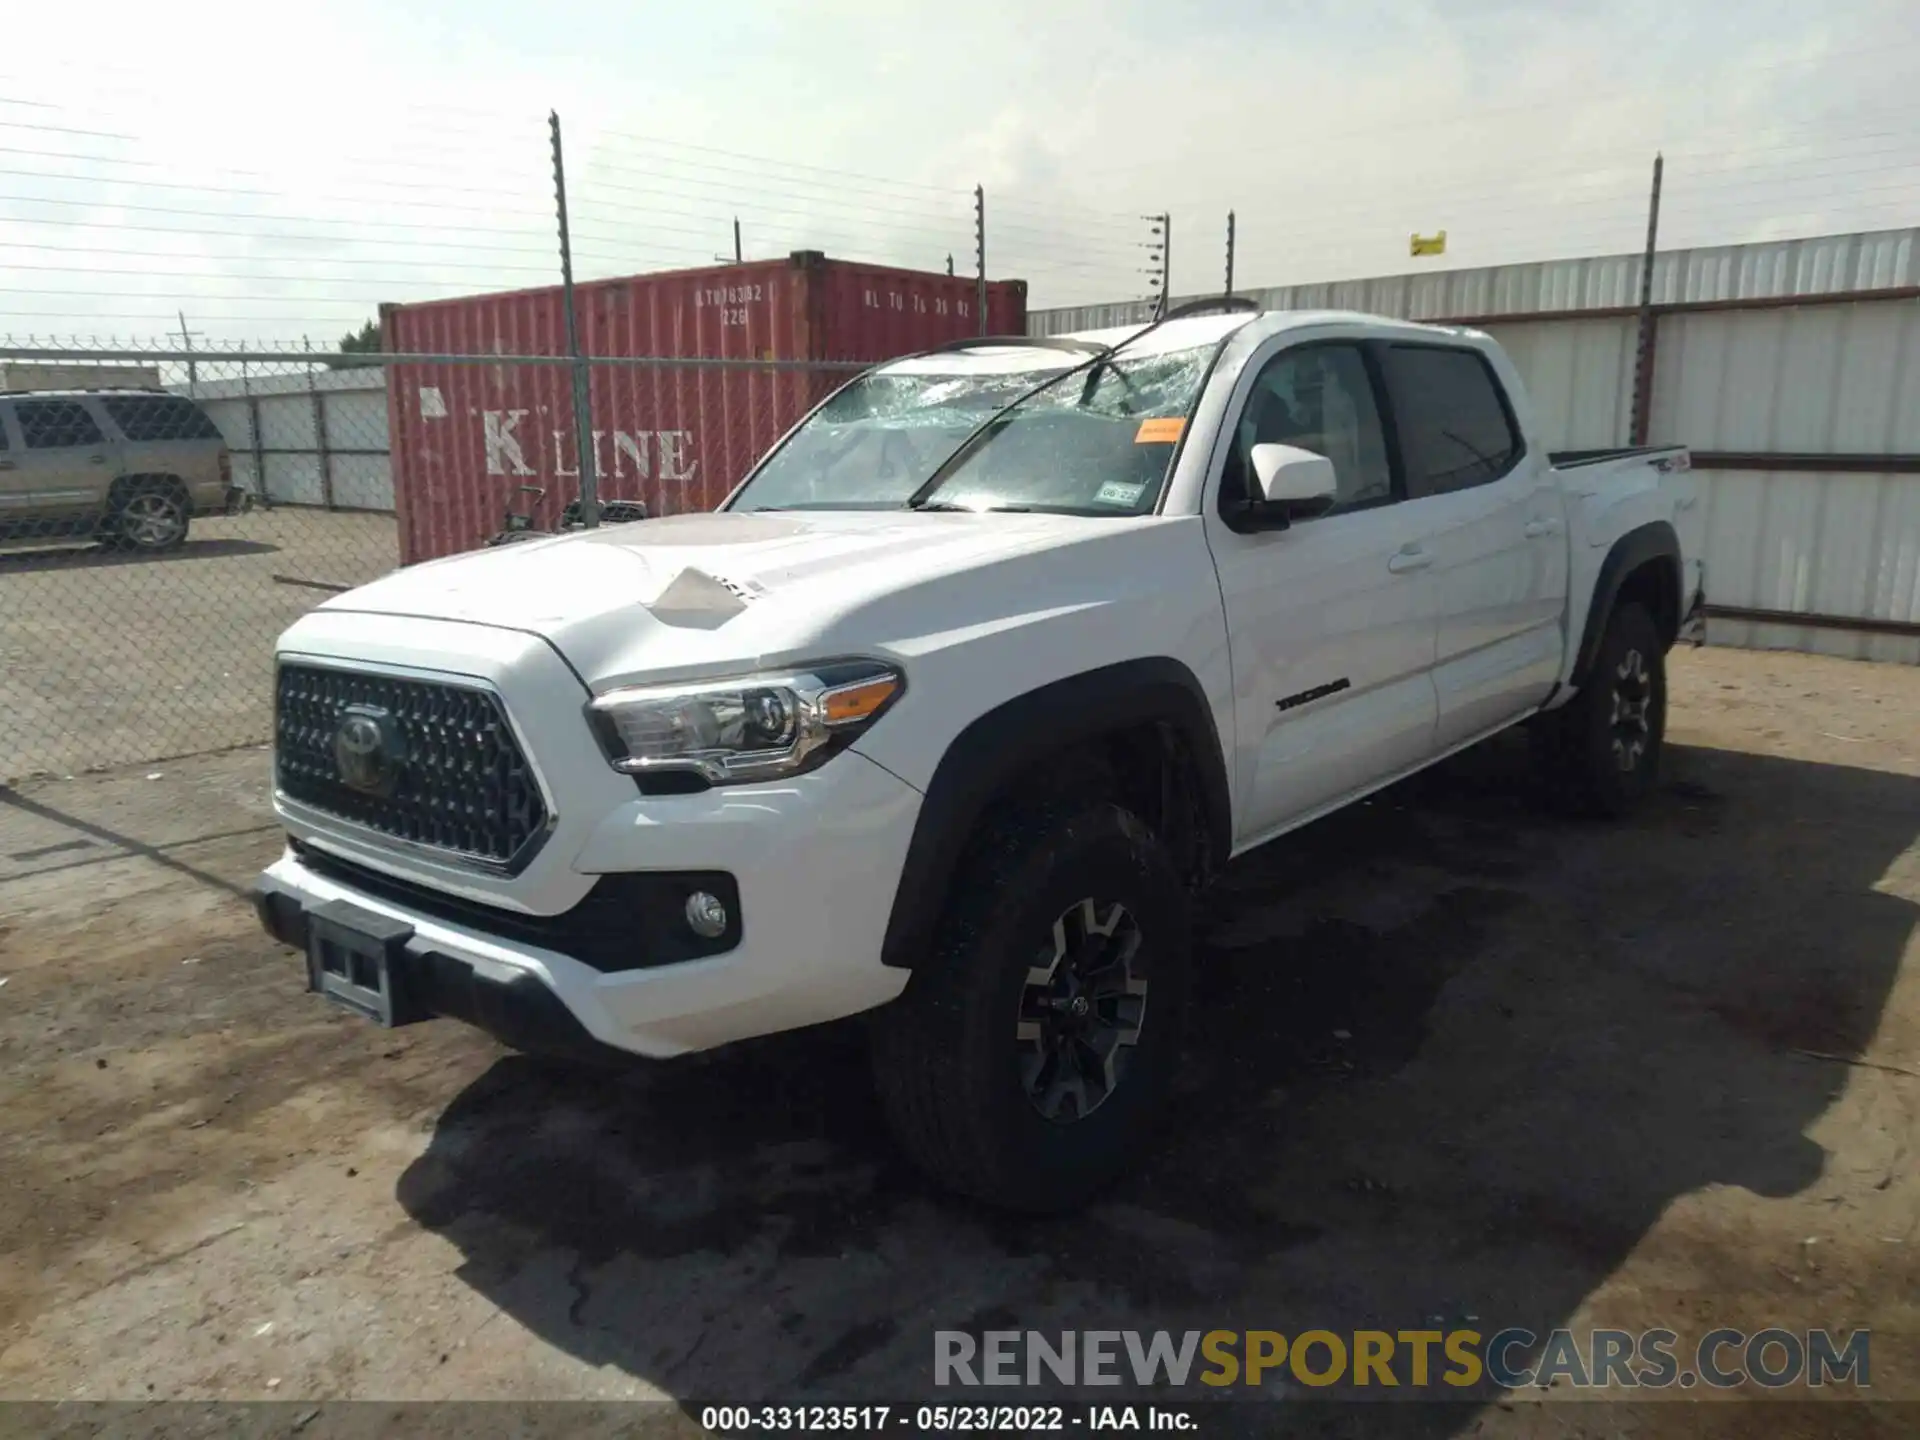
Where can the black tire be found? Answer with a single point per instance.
(1600, 752)
(957, 1055)
(148, 515)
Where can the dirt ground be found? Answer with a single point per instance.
(1462, 1063)
(109, 658)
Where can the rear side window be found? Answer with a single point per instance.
(1455, 431)
(52, 424)
(159, 417)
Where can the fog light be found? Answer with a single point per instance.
(706, 916)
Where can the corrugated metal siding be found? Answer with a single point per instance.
(1579, 376)
(1823, 544)
(1821, 379)
(1821, 265)
(1825, 379)
(679, 438)
(356, 408)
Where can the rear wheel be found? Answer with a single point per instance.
(1600, 753)
(1029, 1057)
(148, 516)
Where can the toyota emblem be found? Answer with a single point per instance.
(366, 750)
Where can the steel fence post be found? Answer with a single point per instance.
(582, 394)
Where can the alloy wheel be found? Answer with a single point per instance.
(151, 520)
(1081, 1010)
(1631, 724)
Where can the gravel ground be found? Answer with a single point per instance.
(108, 658)
(1459, 1059)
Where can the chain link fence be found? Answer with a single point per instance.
(164, 515)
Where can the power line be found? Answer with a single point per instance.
(432, 227)
(231, 190)
(437, 264)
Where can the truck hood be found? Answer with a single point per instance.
(705, 593)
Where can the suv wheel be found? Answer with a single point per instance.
(1029, 1057)
(149, 517)
(1601, 751)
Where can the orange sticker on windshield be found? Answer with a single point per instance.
(1163, 431)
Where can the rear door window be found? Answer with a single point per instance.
(56, 424)
(158, 417)
(1455, 429)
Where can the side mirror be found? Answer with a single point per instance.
(1297, 483)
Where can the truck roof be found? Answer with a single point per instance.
(1182, 334)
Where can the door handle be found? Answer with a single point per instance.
(96, 459)
(9, 465)
(1412, 558)
(1536, 528)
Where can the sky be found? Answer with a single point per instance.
(275, 174)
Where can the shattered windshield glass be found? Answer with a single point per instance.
(1093, 443)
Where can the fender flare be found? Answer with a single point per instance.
(1656, 540)
(1016, 736)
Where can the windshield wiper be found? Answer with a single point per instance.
(1102, 358)
(925, 505)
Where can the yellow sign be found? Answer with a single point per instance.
(1435, 244)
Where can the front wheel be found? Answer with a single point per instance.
(1600, 753)
(1028, 1060)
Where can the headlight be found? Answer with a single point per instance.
(757, 727)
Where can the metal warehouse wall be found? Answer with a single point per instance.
(283, 457)
(1792, 369)
(1832, 381)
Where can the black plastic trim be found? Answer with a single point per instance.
(1014, 738)
(1654, 541)
(520, 1011)
(629, 921)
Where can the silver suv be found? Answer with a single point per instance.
(127, 467)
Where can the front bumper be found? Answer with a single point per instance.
(817, 860)
(512, 1006)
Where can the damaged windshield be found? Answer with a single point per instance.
(1095, 442)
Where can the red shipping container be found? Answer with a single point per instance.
(465, 437)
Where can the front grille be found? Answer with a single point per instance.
(456, 779)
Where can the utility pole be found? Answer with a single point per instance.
(582, 396)
(738, 254)
(980, 254)
(1643, 349)
(949, 262)
(1229, 289)
(1160, 248)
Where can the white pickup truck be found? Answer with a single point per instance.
(955, 703)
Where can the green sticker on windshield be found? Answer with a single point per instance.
(1119, 492)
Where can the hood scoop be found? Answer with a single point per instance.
(696, 600)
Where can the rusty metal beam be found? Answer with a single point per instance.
(1831, 464)
(1857, 623)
